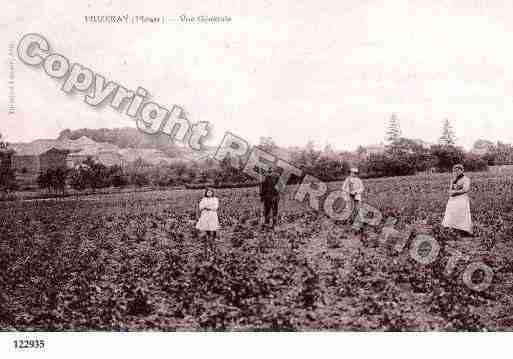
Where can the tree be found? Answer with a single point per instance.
(386, 165)
(118, 177)
(54, 179)
(267, 144)
(79, 178)
(503, 154)
(490, 158)
(328, 149)
(229, 173)
(326, 165)
(138, 173)
(411, 151)
(361, 151)
(484, 146)
(310, 146)
(393, 130)
(487, 150)
(474, 163)
(307, 158)
(65, 135)
(447, 156)
(3, 144)
(329, 169)
(98, 174)
(94, 175)
(448, 137)
(406, 145)
(7, 180)
(7, 175)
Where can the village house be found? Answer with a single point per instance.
(373, 150)
(105, 157)
(30, 161)
(84, 148)
(148, 155)
(29, 156)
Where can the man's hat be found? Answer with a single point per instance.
(354, 169)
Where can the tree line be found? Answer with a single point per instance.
(400, 156)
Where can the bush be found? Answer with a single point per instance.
(78, 179)
(447, 156)
(95, 175)
(408, 150)
(324, 167)
(7, 180)
(327, 169)
(222, 185)
(99, 175)
(490, 158)
(54, 179)
(139, 179)
(117, 177)
(385, 165)
(7, 174)
(474, 163)
(91, 175)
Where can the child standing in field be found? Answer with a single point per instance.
(208, 221)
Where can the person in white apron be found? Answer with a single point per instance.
(457, 213)
(208, 221)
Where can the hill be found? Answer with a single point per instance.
(128, 137)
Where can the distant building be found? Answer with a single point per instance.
(79, 150)
(84, 148)
(110, 158)
(31, 158)
(31, 161)
(424, 144)
(147, 155)
(76, 159)
(105, 157)
(53, 159)
(480, 151)
(374, 149)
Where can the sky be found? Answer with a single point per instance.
(331, 72)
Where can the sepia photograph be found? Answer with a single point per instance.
(273, 170)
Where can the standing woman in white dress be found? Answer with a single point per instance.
(208, 221)
(457, 212)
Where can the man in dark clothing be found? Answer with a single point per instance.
(270, 195)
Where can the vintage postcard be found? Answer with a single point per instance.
(277, 166)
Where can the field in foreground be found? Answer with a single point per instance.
(134, 262)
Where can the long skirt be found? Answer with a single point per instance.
(457, 213)
(208, 221)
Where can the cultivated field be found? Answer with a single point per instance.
(134, 262)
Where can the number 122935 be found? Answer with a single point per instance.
(29, 344)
